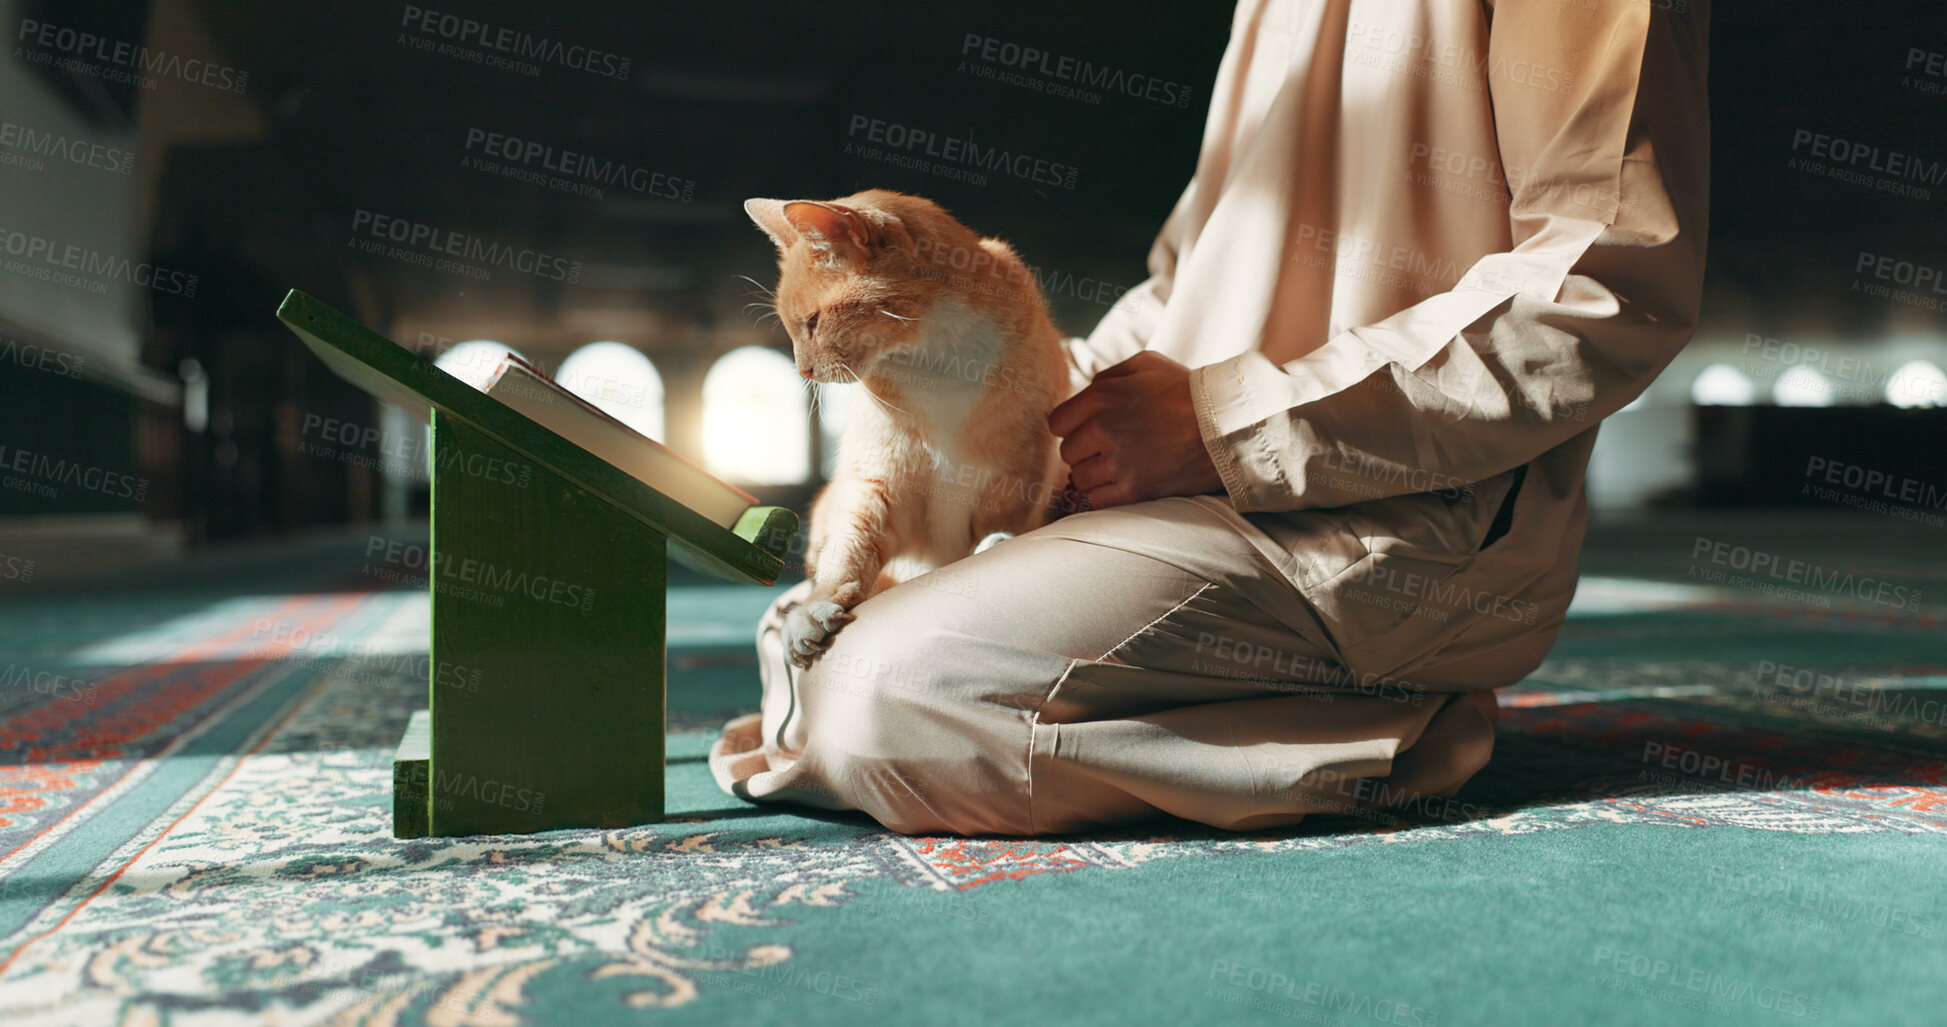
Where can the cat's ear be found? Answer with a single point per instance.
(838, 233)
(834, 231)
(769, 215)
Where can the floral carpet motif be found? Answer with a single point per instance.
(206, 840)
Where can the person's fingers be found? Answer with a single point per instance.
(1127, 367)
(1073, 500)
(1092, 473)
(1081, 444)
(1079, 408)
(1113, 494)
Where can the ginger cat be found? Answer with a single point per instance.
(948, 335)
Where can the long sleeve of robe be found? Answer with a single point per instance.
(1428, 246)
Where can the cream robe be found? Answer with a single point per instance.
(1429, 242)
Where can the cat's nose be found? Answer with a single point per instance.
(804, 372)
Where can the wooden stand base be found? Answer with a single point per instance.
(547, 570)
(411, 767)
(548, 674)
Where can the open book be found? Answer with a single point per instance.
(524, 387)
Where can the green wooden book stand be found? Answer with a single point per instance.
(547, 672)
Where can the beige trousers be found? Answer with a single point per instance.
(1106, 668)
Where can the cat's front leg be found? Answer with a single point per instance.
(808, 627)
(853, 547)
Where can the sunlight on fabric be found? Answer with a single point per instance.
(755, 416)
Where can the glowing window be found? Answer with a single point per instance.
(473, 361)
(1917, 383)
(619, 380)
(756, 423)
(1803, 387)
(1721, 385)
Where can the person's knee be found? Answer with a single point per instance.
(877, 666)
(913, 734)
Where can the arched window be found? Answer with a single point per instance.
(1802, 387)
(619, 380)
(473, 361)
(1721, 385)
(756, 426)
(1917, 383)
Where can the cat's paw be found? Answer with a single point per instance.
(808, 627)
(993, 539)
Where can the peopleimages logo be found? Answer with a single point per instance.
(1771, 569)
(1035, 61)
(87, 46)
(467, 570)
(1410, 53)
(435, 244)
(41, 468)
(350, 443)
(15, 568)
(44, 258)
(1842, 151)
(42, 682)
(1876, 482)
(967, 152)
(1706, 983)
(40, 358)
(531, 161)
(512, 43)
(61, 149)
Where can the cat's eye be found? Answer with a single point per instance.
(811, 325)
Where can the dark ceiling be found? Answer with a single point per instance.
(756, 98)
(738, 100)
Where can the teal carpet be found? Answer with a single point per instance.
(1709, 806)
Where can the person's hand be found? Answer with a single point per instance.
(1132, 435)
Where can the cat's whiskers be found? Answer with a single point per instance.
(768, 304)
(860, 381)
(890, 314)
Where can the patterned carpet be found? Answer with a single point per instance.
(1708, 806)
